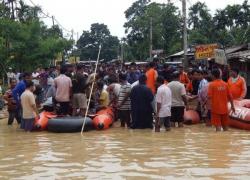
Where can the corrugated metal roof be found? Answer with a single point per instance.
(228, 51)
(235, 49)
(241, 54)
(181, 53)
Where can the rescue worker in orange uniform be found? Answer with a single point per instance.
(151, 77)
(183, 76)
(219, 96)
(237, 85)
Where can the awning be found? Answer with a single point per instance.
(240, 55)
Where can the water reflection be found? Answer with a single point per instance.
(189, 153)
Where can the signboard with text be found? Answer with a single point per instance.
(220, 56)
(205, 51)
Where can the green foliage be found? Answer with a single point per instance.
(201, 24)
(229, 26)
(172, 29)
(89, 42)
(166, 28)
(199, 16)
(26, 42)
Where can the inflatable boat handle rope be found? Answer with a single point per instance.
(91, 91)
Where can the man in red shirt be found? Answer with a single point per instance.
(219, 96)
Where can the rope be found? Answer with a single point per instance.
(91, 91)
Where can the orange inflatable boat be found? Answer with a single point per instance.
(241, 118)
(42, 122)
(191, 117)
(104, 119)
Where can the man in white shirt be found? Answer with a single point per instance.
(35, 76)
(179, 100)
(164, 101)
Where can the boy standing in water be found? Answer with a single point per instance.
(29, 106)
(124, 102)
(219, 95)
(163, 100)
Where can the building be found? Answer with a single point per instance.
(237, 56)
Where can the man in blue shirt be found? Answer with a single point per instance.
(18, 91)
(134, 74)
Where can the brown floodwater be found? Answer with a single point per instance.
(194, 152)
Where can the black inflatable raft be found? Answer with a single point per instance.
(69, 124)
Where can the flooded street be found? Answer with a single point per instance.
(195, 152)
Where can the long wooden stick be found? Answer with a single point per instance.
(91, 91)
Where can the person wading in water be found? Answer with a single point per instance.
(179, 100)
(219, 96)
(29, 108)
(163, 100)
(141, 105)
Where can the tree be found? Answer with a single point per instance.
(4, 11)
(26, 42)
(172, 36)
(54, 31)
(27, 13)
(89, 42)
(201, 24)
(136, 10)
(229, 26)
(199, 16)
(137, 38)
(166, 28)
(234, 22)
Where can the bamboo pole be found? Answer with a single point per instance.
(91, 91)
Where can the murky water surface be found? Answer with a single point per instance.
(195, 152)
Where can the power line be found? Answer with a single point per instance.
(173, 2)
(46, 15)
(61, 25)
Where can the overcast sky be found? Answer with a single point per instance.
(80, 14)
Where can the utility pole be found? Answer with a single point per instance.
(151, 38)
(53, 28)
(72, 34)
(63, 57)
(12, 9)
(184, 14)
(11, 6)
(74, 43)
(53, 20)
(77, 36)
(122, 52)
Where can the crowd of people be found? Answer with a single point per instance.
(145, 96)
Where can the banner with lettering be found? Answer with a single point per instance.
(205, 51)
